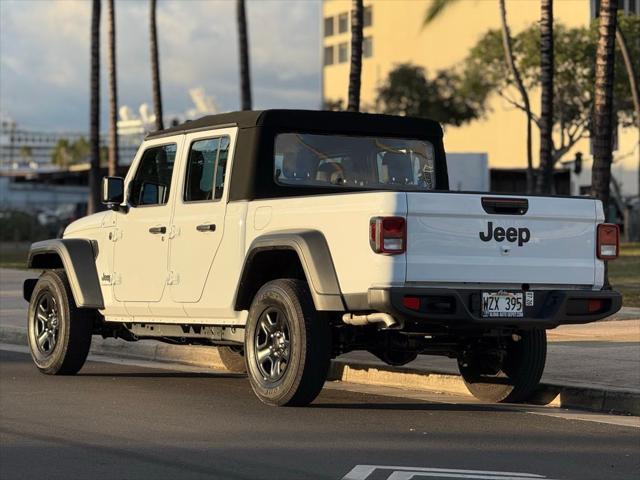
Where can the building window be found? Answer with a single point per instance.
(328, 55)
(368, 16)
(343, 22)
(630, 7)
(367, 47)
(343, 52)
(328, 26)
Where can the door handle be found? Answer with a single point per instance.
(157, 230)
(206, 227)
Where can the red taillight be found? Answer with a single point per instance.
(608, 243)
(412, 303)
(388, 235)
(595, 305)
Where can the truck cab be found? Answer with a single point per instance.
(286, 238)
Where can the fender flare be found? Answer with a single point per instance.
(315, 257)
(77, 257)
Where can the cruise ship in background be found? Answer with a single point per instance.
(30, 181)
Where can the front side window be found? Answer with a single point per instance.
(303, 160)
(206, 168)
(152, 181)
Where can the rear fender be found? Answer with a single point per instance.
(315, 258)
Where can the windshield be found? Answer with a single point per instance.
(303, 159)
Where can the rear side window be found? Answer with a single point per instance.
(152, 182)
(370, 163)
(206, 169)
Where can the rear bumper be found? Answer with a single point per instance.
(453, 308)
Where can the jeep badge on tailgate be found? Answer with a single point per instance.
(522, 235)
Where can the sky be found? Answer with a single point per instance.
(44, 56)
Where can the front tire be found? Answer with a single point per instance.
(59, 333)
(511, 378)
(288, 347)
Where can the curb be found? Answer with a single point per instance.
(550, 394)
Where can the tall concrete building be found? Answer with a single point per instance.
(394, 34)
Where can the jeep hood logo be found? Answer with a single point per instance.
(511, 234)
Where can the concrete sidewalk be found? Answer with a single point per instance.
(594, 366)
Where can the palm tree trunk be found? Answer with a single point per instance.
(545, 176)
(355, 73)
(633, 85)
(603, 103)
(113, 89)
(243, 50)
(94, 121)
(155, 68)
(508, 54)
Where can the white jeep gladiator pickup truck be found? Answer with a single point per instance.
(287, 238)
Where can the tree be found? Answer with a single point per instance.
(515, 73)
(573, 86)
(155, 67)
(243, 50)
(26, 153)
(545, 176)
(113, 89)
(447, 98)
(66, 153)
(633, 83)
(603, 102)
(436, 9)
(94, 130)
(355, 71)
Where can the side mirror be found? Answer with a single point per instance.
(112, 191)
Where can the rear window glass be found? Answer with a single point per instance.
(303, 159)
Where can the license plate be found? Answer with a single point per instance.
(502, 304)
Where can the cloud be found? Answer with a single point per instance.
(44, 56)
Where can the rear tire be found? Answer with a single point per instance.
(59, 333)
(287, 345)
(233, 359)
(515, 377)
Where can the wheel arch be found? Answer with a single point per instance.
(77, 257)
(300, 254)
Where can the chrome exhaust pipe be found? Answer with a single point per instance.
(371, 318)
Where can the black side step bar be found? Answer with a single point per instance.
(505, 206)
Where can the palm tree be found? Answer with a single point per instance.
(508, 55)
(633, 85)
(603, 103)
(355, 73)
(155, 68)
(243, 50)
(113, 89)
(545, 175)
(94, 130)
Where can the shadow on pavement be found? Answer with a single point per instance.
(162, 375)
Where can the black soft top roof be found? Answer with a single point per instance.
(310, 120)
(253, 175)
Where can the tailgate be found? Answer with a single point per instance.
(479, 238)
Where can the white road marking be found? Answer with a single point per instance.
(362, 472)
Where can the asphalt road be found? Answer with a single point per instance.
(119, 421)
